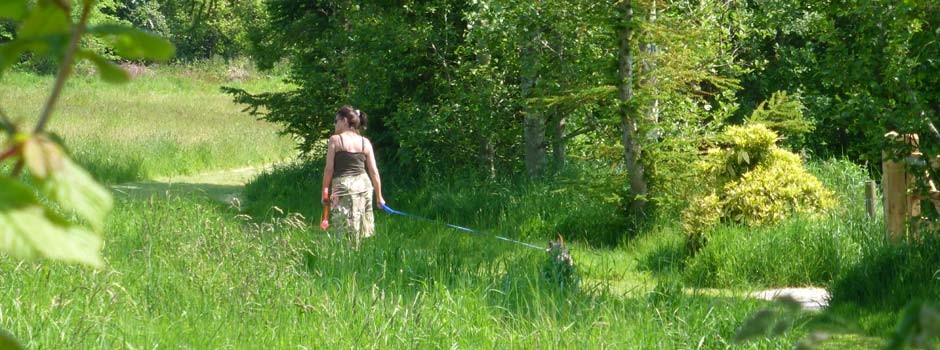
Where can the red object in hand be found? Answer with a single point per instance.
(325, 224)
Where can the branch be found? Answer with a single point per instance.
(9, 152)
(65, 69)
(932, 127)
(580, 131)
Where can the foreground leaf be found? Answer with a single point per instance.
(12, 9)
(109, 71)
(65, 182)
(8, 342)
(133, 43)
(10, 53)
(45, 20)
(42, 156)
(74, 189)
(29, 231)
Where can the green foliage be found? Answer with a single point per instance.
(205, 28)
(745, 148)
(919, 327)
(134, 44)
(862, 68)
(702, 213)
(31, 227)
(818, 249)
(751, 182)
(784, 115)
(773, 191)
(457, 79)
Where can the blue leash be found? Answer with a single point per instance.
(461, 228)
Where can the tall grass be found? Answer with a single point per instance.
(155, 126)
(186, 272)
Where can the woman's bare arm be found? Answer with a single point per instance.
(328, 169)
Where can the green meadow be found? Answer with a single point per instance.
(168, 121)
(186, 270)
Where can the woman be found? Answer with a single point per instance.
(350, 177)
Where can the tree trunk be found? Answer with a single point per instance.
(488, 157)
(628, 113)
(649, 65)
(559, 143)
(534, 123)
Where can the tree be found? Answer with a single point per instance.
(629, 120)
(862, 67)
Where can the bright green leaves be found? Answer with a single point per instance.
(129, 43)
(751, 182)
(73, 189)
(133, 43)
(65, 183)
(30, 229)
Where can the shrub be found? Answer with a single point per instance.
(751, 182)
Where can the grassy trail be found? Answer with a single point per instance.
(220, 185)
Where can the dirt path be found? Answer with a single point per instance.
(221, 185)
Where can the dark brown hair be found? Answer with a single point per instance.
(355, 118)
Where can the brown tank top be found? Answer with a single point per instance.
(347, 163)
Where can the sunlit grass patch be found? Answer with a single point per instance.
(189, 271)
(153, 126)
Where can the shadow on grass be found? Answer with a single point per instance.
(219, 193)
(113, 171)
(664, 259)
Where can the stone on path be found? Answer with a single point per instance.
(809, 298)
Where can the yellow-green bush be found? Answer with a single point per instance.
(751, 182)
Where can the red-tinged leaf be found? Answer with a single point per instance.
(42, 156)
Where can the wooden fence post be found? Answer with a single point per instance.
(894, 184)
(870, 198)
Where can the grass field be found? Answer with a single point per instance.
(171, 123)
(187, 271)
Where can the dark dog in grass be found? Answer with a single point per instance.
(559, 269)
